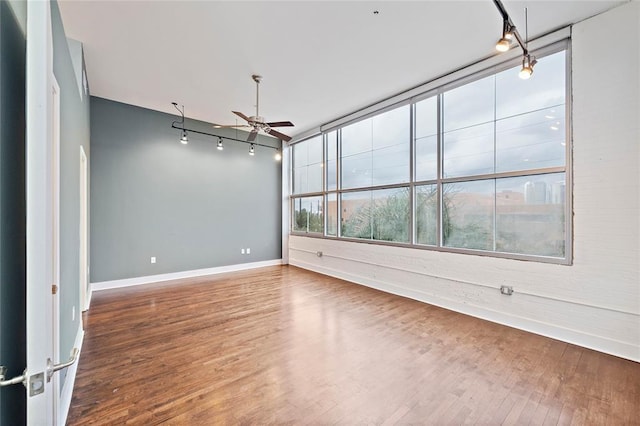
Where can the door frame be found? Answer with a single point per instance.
(85, 294)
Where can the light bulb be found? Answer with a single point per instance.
(525, 72)
(527, 67)
(503, 44)
(278, 156)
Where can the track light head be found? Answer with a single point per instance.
(252, 150)
(507, 35)
(503, 44)
(219, 146)
(525, 73)
(527, 67)
(184, 139)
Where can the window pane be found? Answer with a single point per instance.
(530, 215)
(332, 214)
(426, 119)
(426, 214)
(375, 151)
(531, 141)
(469, 105)
(376, 215)
(467, 214)
(469, 151)
(332, 155)
(546, 89)
(307, 166)
(475, 134)
(307, 214)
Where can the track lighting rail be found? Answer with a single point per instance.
(174, 126)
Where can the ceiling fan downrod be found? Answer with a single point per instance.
(257, 79)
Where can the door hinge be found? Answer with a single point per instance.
(54, 289)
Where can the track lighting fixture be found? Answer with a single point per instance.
(184, 139)
(509, 31)
(527, 67)
(507, 35)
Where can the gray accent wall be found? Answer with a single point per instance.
(74, 132)
(12, 211)
(191, 206)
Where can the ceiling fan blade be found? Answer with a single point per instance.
(280, 124)
(279, 135)
(241, 115)
(252, 135)
(227, 126)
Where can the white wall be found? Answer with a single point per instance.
(593, 303)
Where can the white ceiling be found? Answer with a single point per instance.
(319, 59)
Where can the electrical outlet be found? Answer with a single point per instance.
(241, 251)
(153, 259)
(507, 290)
(248, 250)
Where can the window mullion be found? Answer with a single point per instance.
(439, 155)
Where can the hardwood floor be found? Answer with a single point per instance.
(285, 345)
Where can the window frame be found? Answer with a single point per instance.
(440, 181)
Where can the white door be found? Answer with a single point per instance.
(42, 159)
(42, 156)
(39, 212)
(55, 203)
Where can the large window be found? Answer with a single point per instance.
(307, 167)
(478, 166)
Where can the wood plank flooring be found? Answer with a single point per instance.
(282, 345)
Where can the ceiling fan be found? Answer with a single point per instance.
(257, 123)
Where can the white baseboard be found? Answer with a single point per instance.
(128, 282)
(576, 337)
(69, 382)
